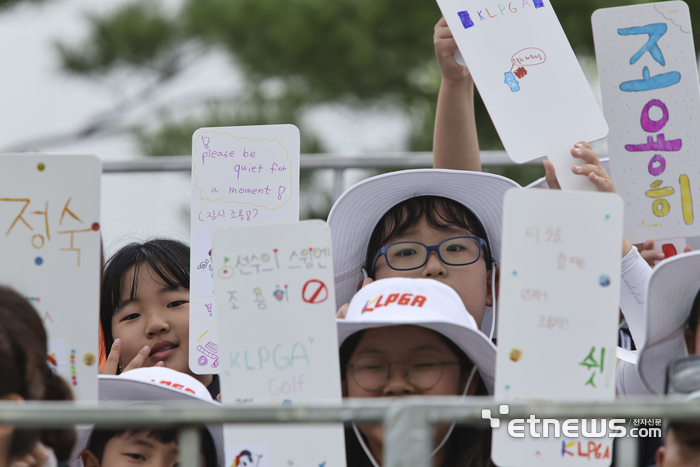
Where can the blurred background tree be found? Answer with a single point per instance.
(293, 55)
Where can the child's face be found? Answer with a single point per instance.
(402, 344)
(471, 282)
(139, 450)
(399, 344)
(672, 454)
(157, 317)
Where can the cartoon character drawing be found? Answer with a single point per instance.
(245, 459)
(512, 82)
(210, 350)
(530, 56)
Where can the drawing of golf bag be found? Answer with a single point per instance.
(209, 350)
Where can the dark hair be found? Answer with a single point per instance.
(438, 212)
(688, 436)
(170, 259)
(26, 373)
(694, 317)
(100, 437)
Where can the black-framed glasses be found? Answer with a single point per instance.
(371, 373)
(455, 251)
(683, 375)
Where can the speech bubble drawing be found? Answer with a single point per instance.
(529, 57)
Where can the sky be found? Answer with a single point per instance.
(41, 101)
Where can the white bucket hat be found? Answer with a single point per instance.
(356, 213)
(542, 183)
(671, 291)
(420, 302)
(154, 385)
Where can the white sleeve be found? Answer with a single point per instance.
(635, 273)
(628, 381)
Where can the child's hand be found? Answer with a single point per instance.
(651, 256)
(343, 310)
(112, 364)
(445, 47)
(591, 169)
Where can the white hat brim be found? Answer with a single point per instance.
(671, 291)
(473, 343)
(356, 213)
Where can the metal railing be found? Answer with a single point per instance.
(407, 439)
(336, 162)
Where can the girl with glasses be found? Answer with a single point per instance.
(405, 337)
(437, 224)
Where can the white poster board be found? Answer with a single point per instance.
(529, 79)
(281, 344)
(50, 250)
(240, 176)
(649, 84)
(558, 314)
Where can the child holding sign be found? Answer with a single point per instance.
(144, 309)
(452, 220)
(421, 326)
(455, 141)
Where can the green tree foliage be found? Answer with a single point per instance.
(356, 52)
(7, 4)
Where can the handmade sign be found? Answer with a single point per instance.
(558, 315)
(240, 176)
(529, 79)
(274, 287)
(50, 250)
(649, 84)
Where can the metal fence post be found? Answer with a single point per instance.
(407, 437)
(188, 440)
(338, 182)
(625, 452)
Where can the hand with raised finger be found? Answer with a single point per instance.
(445, 47)
(140, 359)
(112, 364)
(591, 168)
(550, 175)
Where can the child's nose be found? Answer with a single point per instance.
(434, 267)
(398, 383)
(157, 324)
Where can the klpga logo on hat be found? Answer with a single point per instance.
(406, 299)
(179, 386)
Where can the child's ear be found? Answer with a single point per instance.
(89, 459)
(660, 456)
(489, 296)
(690, 341)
